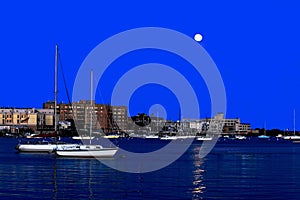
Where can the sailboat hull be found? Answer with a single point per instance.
(204, 138)
(41, 148)
(294, 137)
(87, 152)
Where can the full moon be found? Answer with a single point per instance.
(198, 37)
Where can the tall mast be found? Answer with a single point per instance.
(91, 99)
(157, 121)
(294, 122)
(55, 87)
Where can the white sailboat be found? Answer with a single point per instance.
(240, 137)
(167, 137)
(293, 137)
(43, 146)
(264, 136)
(82, 137)
(87, 150)
(203, 138)
(47, 146)
(151, 137)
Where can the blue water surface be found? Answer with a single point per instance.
(235, 169)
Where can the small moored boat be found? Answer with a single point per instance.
(168, 138)
(201, 138)
(86, 151)
(82, 138)
(42, 146)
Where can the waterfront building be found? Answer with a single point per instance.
(243, 128)
(103, 121)
(15, 119)
(104, 117)
(84, 113)
(230, 125)
(193, 125)
(64, 110)
(119, 115)
(157, 123)
(234, 125)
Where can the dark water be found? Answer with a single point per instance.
(248, 169)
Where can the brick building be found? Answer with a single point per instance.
(104, 117)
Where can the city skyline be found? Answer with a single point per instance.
(104, 119)
(119, 113)
(254, 45)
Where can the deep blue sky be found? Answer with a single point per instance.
(255, 45)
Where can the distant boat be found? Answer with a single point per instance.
(201, 138)
(240, 137)
(234, 137)
(168, 138)
(183, 137)
(263, 137)
(82, 138)
(293, 137)
(151, 137)
(186, 137)
(87, 150)
(111, 136)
